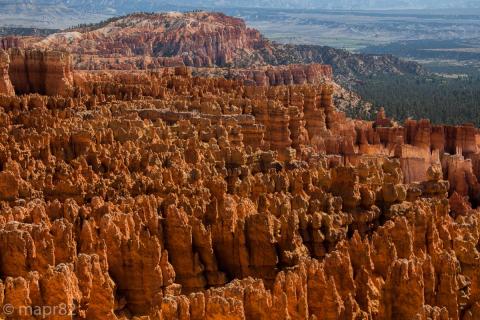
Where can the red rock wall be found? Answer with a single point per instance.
(10, 42)
(44, 72)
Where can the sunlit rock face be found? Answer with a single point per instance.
(6, 87)
(164, 195)
(168, 196)
(166, 39)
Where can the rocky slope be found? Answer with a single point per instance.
(347, 66)
(165, 196)
(272, 75)
(200, 39)
(195, 39)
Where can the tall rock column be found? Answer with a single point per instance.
(314, 117)
(6, 87)
(279, 128)
(326, 103)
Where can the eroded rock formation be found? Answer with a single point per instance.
(142, 41)
(39, 71)
(168, 196)
(198, 39)
(283, 75)
(6, 87)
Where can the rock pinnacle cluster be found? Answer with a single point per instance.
(236, 193)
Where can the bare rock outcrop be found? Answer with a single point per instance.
(283, 75)
(6, 87)
(39, 71)
(167, 196)
(144, 40)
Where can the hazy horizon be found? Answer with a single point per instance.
(123, 6)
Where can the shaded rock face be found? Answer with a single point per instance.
(39, 71)
(10, 42)
(166, 196)
(6, 87)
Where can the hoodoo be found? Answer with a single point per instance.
(6, 87)
(223, 193)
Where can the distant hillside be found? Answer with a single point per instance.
(11, 31)
(65, 13)
(127, 6)
(204, 39)
(347, 66)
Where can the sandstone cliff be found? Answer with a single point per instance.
(43, 72)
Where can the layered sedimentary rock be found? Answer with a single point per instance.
(39, 71)
(194, 39)
(201, 39)
(10, 42)
(303, 117)
(6, 87)
(313, 73)
(166, 196)
(283, 75)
